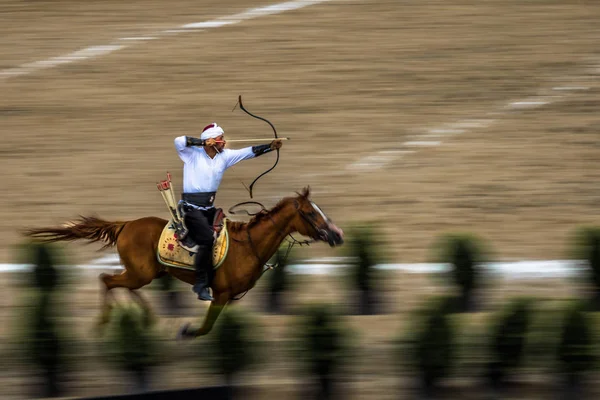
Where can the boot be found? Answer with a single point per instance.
(201, 287)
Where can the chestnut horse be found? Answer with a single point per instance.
(251, 245)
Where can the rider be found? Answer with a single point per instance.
(205, 161)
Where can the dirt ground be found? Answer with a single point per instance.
(345, 80)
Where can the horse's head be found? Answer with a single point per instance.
(311, 221)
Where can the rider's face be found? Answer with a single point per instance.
(220, 146)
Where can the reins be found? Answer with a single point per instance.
(289, 238)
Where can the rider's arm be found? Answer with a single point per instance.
(191, 141)
(233, 157)
(261, 149)
(183, 145)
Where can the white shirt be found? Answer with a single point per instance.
(202, 173)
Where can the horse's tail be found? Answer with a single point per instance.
(89, 228)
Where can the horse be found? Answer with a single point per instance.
(253, 243)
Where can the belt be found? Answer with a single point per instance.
(202, 199)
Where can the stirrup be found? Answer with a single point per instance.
(186, 242)
(203, 292)
(191, 247)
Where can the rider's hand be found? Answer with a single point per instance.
(276, 144)
(210, 142)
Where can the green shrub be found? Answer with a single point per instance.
(323, 344)
(544, 336)
(433, 346)
(278, 280)
(576, 353)
(233, 344)
(464, 253)
(365, 249)
(132, 345)
(47, 346)
(232, 347)
(44, 341)
(508, 340)
(587, 248)
(170, 294)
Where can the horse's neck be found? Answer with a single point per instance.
(274, 229)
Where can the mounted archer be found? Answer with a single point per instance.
(205, 161)
(147, 246)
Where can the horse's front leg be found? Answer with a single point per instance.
(221, 300)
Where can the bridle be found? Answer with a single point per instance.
(311, 222)
(289, 238)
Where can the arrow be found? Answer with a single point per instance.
(251, 140)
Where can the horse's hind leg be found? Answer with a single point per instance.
(106, 302)
(125, 280)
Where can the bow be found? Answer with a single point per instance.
(249, 188)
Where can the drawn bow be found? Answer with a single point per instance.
(249, 188)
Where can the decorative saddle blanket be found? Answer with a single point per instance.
(171, 254)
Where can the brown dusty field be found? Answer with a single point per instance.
(345, 80)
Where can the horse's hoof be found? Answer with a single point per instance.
(185, 332)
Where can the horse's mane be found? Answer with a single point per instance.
(238, 226)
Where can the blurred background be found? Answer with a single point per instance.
(449, 139)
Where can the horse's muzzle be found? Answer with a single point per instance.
(335, 236)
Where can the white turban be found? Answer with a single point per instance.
(212, 131)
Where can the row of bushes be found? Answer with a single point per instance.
(435, 348)
(464, 253)
(560, 343)
(323, 340)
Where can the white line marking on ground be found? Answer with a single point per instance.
(446, 130)
(140, 38)
(96, 51)
(443, 131)
(209, 24)
(87, 53)
(417, 143)
(275, 9)
(570, 88)
(379, 160)
(10, 72)
(456, 128)
(527, 104)
(397, 152)
(175, 31)
(473, 123)
(533, 269)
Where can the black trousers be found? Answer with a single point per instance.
(199, 223)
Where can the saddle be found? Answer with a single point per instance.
(171, 253)
(182, 231)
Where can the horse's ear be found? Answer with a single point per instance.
(306, 192)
